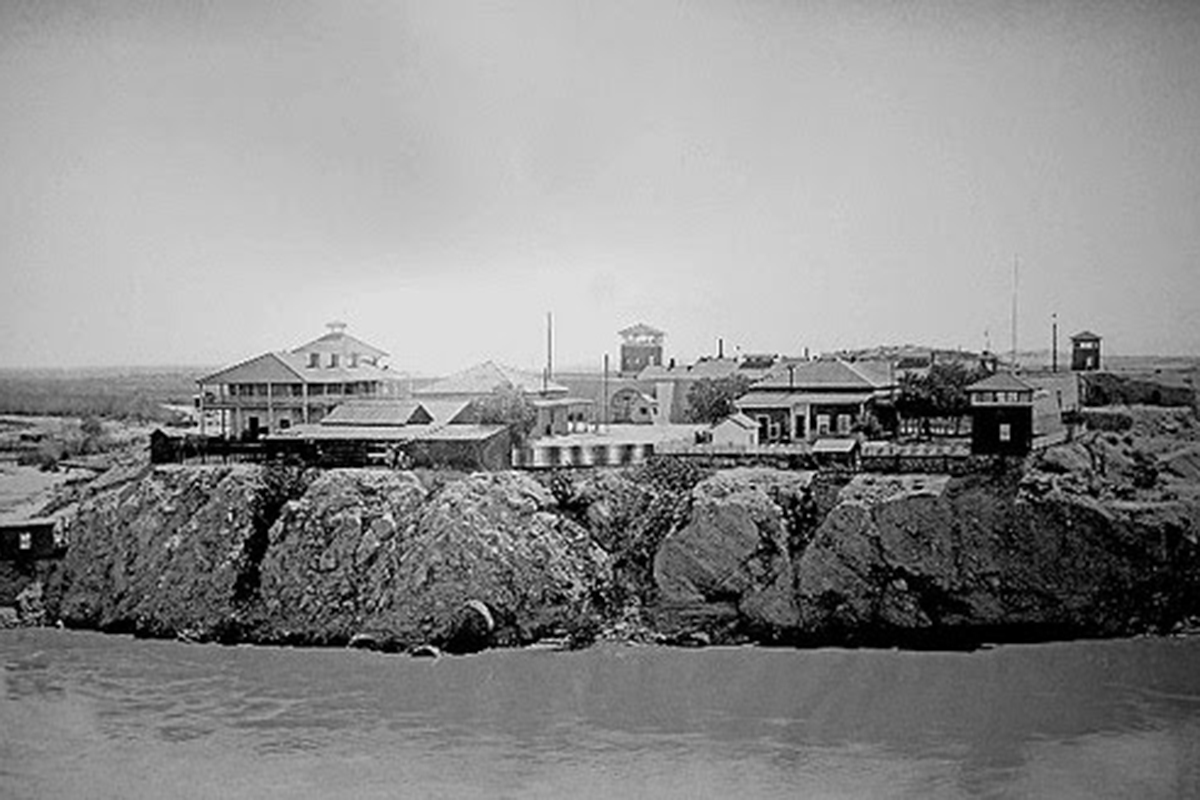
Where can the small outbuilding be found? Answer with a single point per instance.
(738, 430)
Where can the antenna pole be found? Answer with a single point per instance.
(549, 352)
(1016, 279)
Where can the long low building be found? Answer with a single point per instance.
(607, 446)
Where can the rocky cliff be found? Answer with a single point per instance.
(247, 554)
(1096, 537)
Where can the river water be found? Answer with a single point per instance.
(88, 715)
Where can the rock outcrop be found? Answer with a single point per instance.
(162, 555)
(251, 554)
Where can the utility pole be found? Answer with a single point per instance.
(1016, 279)
(546, 376)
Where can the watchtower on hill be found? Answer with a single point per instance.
(641, 347)
(1085, 352)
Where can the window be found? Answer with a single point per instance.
(822, 424)
(26, 542)
(314, 360)
(333, 359)
(843, 423)
(353, 360)
(1005, 432)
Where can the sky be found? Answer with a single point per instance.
(200, 182)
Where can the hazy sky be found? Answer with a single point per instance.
(200, 182)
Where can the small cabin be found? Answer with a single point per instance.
(1001, 415)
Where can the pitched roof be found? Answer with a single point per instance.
(640, 329)
(739, 419)
(776, 399)
(1000, 382)
(293, 368)
(379, 412)
(338, 340)
(449, 411)
(1085, 335)
(822, 374)
(485, 378)
(267, 368)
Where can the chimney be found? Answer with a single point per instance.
(720, 348)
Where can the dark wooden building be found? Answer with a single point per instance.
(1001, 415)
(1085, 352)
(28, 539)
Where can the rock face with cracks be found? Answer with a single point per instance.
(731, 565)
(229, 553)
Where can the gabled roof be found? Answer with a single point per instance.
(821, 375)
(1000, 382)
(450, 411)
(293, 368)
(640, 329)
(1083, 335)
(483, 379)
(379, 412)
(267, 368)
(740, 420)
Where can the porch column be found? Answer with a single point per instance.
(200, 386)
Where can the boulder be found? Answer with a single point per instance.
(729, 566)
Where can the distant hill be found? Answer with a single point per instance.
(115, 392)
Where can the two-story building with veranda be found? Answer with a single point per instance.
(277, 390)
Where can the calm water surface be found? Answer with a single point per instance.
(87, 715)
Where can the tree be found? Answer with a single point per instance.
(711, 399)
(508, 406)
(942, 392)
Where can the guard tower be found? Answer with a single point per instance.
(1085, 352)
(641, 347)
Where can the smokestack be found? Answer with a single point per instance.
(1054, 342)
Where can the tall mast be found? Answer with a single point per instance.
(1016, 278)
